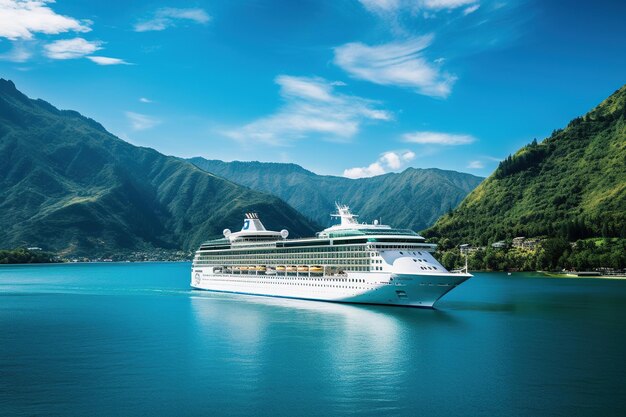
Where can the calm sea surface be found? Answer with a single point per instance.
(133, 339)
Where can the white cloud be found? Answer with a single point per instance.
(141, 121)
(493, 158)
(387, 7)
(145, 100)
(20, 52)
(305, 88)
(475, 165)
(311, 106)
(399, 63)
(169, 16)
(390, 160)
(446, 4)
(369, 171)
(408, 156)
(71, 48)
(105, 60)
(438, 138)
(21, 19)
(381, 6)
(471, 9)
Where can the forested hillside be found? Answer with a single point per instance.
(68, 185)
(566, 188)
(573, 184)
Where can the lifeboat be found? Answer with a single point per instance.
(302, 268)
(280, 268)
(259, 268)
(316, 269)
(291, 268)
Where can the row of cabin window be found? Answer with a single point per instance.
(244, 262)
(281, 273)
(324, 249)
(290, 257)
(308, 285)
(303, 278)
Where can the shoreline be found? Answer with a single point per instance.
(541, 273)
(565, 275)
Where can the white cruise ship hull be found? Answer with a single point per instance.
(411, 290)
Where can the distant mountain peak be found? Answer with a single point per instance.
(614, 104)
(8, 88)
(413, 198)
(7, 85)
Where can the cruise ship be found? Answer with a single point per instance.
(350, 262)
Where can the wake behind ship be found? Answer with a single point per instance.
(350, 262)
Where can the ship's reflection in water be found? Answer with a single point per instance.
(309, 357)
(498, 346)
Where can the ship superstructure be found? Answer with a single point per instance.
(348, 262)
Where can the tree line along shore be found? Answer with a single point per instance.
(604, 255)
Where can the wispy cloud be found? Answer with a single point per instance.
(388, 161)
(169, 16)
(71, 48)
(475, 165)
(493, 158)
(471, 9)
(400, 63)
(105, 60)
(20, 52)
(446, 4)
(141, 121)
(381, 6)
(438, 138)
(311, 107)
(145, 100)
(386, 7)
(21, 19)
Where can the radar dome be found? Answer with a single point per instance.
(375, 222)
(284, 233)
(226, 232)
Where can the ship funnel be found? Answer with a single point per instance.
(252, 223)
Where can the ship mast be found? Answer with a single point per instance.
(343, 212)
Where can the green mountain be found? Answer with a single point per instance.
(415, 198)
(66, 184)
(572, 185)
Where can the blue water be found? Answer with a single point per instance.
(133, 339)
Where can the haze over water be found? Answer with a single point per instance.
(133, 339)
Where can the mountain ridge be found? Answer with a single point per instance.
(69, 185)
(570, 185)
(414, 198)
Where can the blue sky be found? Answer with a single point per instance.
(350, 87)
